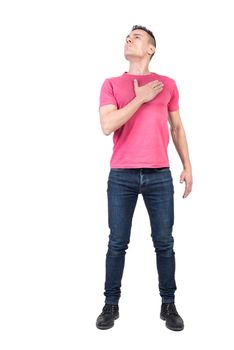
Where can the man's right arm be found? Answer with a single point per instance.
(112, 118)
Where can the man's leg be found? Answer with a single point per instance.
(158, 195)
(122, 195)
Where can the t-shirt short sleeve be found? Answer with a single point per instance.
(173, 104)
(106, 94)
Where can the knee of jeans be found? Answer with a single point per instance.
(117, 249)
(164, 246)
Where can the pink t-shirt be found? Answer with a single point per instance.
(142, 141)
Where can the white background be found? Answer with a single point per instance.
(55, 162)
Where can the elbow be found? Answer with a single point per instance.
(106, 131)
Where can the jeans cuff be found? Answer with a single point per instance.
(111, 302)
(168, 300)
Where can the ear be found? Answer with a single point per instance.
(151, 50)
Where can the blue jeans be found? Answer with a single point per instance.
(156, 187)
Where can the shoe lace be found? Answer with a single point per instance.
(110, 308)
(171, 309)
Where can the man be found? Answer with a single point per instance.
(136, 106)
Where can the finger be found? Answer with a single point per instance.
(155, 83)
(185, 194)
(188, 189)
(158, 87)
(158, 84)
(135, 83)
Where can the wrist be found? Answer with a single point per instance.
(139, 100)
(187, 166)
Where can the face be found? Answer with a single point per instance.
(137, 45)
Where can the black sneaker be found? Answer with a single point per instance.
(170, 315)
(110, 313)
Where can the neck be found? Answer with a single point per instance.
(138, 68)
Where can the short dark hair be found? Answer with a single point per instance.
(151, 35)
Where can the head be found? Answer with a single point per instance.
(140, 43)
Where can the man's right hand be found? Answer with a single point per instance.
(148, 91)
